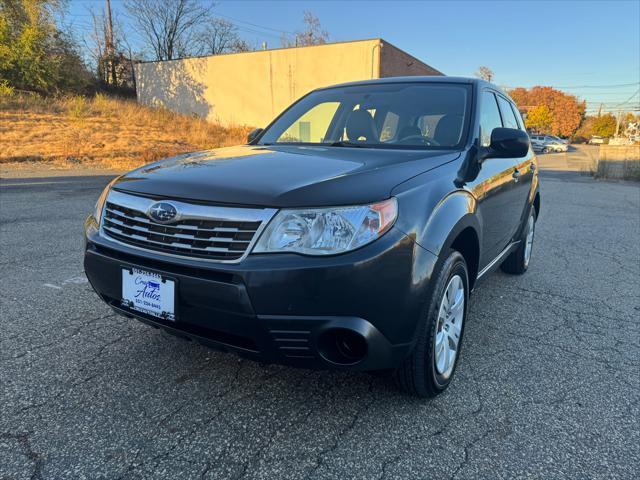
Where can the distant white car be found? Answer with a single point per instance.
(596, 140)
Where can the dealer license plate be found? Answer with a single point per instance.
(148, 293)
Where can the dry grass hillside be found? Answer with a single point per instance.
(99, 133)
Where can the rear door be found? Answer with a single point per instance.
(522, 175)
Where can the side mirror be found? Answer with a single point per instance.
(507, 143)
(253, 134)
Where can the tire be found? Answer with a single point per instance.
(545, 150)
(421, 374)
(518, 261)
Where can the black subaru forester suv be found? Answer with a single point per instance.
(347, 234)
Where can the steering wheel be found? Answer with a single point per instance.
(423, 140)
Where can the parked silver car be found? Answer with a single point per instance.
(548, 143)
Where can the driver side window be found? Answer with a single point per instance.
(489, 117)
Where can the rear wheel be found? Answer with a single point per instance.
(518, 262)
(430, 367)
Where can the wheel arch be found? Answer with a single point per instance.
(468, 244)
(454, 223)
(536, 204)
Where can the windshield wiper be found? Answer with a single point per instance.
(342, 143)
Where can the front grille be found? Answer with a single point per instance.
(211, 232)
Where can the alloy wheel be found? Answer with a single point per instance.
(449, 329)
(531, 225)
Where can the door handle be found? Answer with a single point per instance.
(516, 174)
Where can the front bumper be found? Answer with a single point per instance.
(285, 308)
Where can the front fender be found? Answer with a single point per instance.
(433, 210)
(451, 216)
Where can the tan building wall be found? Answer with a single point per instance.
(253, 88)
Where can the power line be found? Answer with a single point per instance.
(598, 94)
(569, 87)
(257, 32)
(629, 99)
(253, 24)
(603, 86)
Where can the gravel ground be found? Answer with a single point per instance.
(547, 387)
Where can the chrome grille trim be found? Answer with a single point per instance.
(203, 232)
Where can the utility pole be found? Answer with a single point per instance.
(618, 119)
(600, 110)
(110, 49)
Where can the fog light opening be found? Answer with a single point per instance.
(342, 346)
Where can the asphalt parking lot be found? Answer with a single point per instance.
(548, 385)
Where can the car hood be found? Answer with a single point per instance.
(282, 176)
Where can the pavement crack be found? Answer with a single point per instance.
(402, 449)
(347, 428)
(58, 341)
(25, 444)
(467, 449)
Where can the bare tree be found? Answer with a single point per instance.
(95, 42)
(109, 49)
(170, 28)
(241, 45)
(313, 33)
(221, 36)
(485, 73)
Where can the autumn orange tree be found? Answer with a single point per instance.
(565, 110)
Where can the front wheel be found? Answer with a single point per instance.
(518, 261)
(428, 370)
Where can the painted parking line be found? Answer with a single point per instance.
(79, 280)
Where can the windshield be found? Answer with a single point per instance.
(399, 115)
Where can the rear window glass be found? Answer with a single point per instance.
(508, 118)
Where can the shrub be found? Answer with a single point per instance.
(77, 108)
(6, 90)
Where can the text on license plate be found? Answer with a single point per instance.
(148, 293)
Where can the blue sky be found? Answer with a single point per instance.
(589, 48)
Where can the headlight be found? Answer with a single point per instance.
(97, 210)
(327, 231)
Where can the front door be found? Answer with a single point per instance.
(495, 187)
(523, 173)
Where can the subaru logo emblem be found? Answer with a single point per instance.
(162, 212)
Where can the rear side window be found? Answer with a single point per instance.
(489, 117)
(516, 112)
(508, 117)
